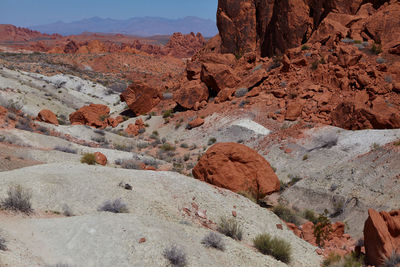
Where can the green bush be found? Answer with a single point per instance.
(89, 158)
(349, 260)
(322, 229)
(310, 215)
(167, 113)
(276, 247)
(167, 147)
(231, 228)
(286, 214)
(376, 49)
(305, 47)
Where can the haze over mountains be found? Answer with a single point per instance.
(142, 26)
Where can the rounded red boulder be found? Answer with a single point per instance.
(238, 168)
(48, 116)
(100, 158)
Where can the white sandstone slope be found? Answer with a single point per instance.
(156, 211)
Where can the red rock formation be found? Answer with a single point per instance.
(48, 116)
(11, 33)
(184, 45)
(134, 129)
(273, 26)
(140, 97)
(237, 168)
(100, 158)
(381, 236)
(190, 93)
(114, 122)
(94, 115)
(196, 123)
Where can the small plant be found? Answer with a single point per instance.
(349, 260)
(65, 149)
(184, 145)
(314, 65)
(249, 195)
(376, 49)
(286, 214)
(167, 113)
(305, 157)
(89, 158)
(393, 260)
(322, 229)
(310, 215)
(276, 247)
(338, 207)
(305, 47)
(103, 117)
(388, 79)
(375, 146)
(211, 141)
(3, 244)
(213, 240)
(176, 256)
(18, 199)
(129, 164)
(167, 147)
(331, 259)
(24, 124)
(186, 157)
(116, 206)
(241, 92)
(397, 143)
(230, 227)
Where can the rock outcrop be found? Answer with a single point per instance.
(190, 93)
(238, 168)
(48, 116)
(273, 26)
(140, 97)
(94, 115)
(381, 236)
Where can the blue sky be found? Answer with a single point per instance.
(35, 12)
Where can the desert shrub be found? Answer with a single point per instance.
(305, 157)
(349, 260)
(286, 214)
(99, 139)
(65, 149)
(243, 103)
(230, 227)
(167, 113)
(314, 65)
(167, 96)
(376, 49)
(127, 148)
(397, 143)
(118, 87)
(249, 195)
(310, 215)
(241, 92)
(89, 158)
(129, 164)
(347, 40)
(276, 247)
(331, 259)
(338, 207)
(184, 145)
(24, 124)
(276, 63)
(18, 199)
(43, 130)
(322, 229)
(388, 79)
(116, 206)
(213, 240)
(393, 260)
(167, 147)
(3, 244)
(11, 116)
(186, 157)
(142, 145)
(380, 60)
(305, 47)
(67, 211)
(176, 256)
(211, 141)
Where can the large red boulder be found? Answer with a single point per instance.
(190, 93)
(48, 116)
(381, 236)
(238, 168)
(140, 97)
(94, 115)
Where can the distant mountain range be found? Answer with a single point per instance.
(140, 26)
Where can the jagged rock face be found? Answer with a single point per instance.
(273, 26)
(381, 236)
(94, 115)
(140, 97)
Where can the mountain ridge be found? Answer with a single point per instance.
(141, 26)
